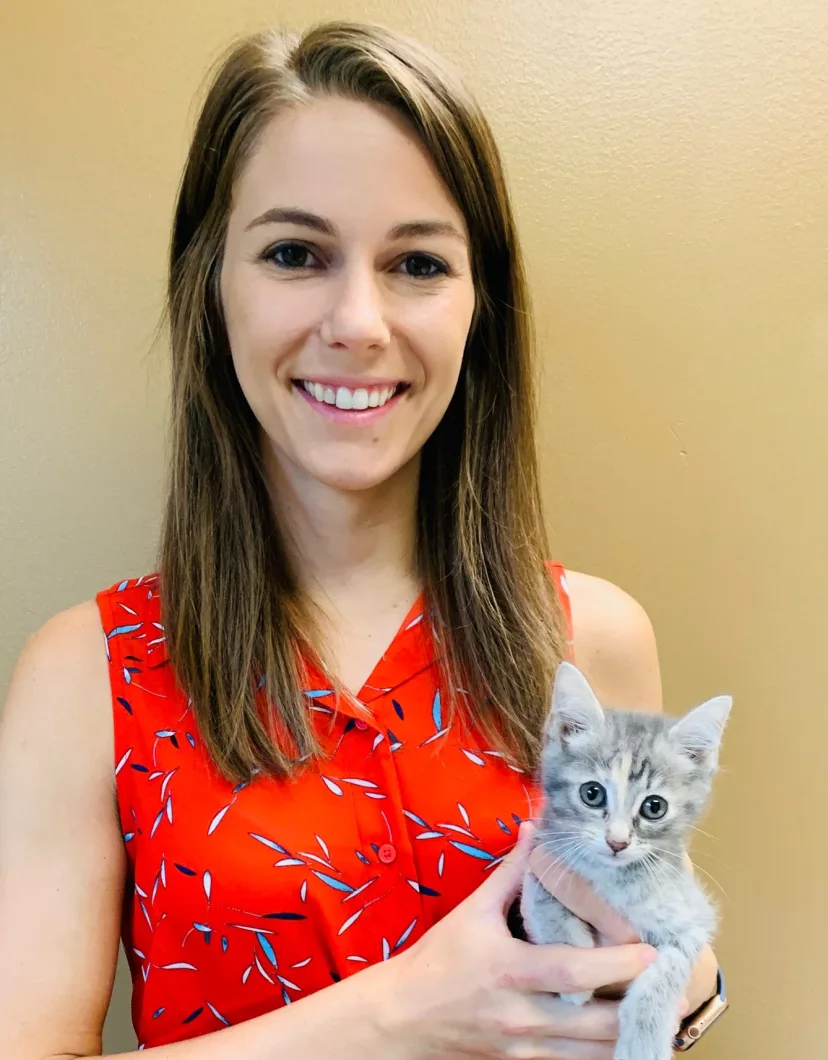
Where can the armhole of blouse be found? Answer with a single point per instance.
(102, 599)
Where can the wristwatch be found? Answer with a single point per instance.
(700, 1022)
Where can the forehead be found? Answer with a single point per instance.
(633, 747)
(355, 163)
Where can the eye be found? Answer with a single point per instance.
(593, 795)
(653, 808)
(290, 256)
(424, 266)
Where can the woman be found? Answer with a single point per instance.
(326, 705)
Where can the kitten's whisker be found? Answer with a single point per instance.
(563, 840)
(566, 850)
(699, 867)
(657, 867)
(705, 854)
(555, 844)
(664, 874)
(561, 835)
(650, 868)
(712, 879)
(555, 832)
(565, 866)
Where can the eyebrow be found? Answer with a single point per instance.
(304, 219)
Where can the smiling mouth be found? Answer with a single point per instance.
(343, 397)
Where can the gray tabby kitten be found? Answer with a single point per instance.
(622, 790)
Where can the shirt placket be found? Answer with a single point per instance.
(368, 763)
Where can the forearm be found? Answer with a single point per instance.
(702, 984)
(349, 1020)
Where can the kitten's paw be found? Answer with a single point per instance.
(577, 999)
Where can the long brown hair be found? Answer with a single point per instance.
(233, 612)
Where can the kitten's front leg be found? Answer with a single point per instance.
(547, 922)
(648, 1011)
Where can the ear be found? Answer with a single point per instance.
(575, 708)
(699, 732)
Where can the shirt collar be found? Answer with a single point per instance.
(413, 649)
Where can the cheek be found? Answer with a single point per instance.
(264, 321)
(440, 327)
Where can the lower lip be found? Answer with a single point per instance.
(356, 417)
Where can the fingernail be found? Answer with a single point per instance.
(650, 955)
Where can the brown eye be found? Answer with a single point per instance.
(653, 808)
(593, 795)
(290, 255)
(424, 267)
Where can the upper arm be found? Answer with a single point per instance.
(61, 850)
(614, 644)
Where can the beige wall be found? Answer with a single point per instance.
(669, 167)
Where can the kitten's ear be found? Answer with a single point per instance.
(575, 708)
(699, 732)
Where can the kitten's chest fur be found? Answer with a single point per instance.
(661, 912)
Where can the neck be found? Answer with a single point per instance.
(341, 539)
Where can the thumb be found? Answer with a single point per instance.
(505, 882)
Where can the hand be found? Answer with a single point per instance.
(576, 894)
(469, 989)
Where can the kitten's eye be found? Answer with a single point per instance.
(653, 807)
(593, 794)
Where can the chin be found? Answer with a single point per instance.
(352, 479)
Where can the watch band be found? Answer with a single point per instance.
(700, 1022)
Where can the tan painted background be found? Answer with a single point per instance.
(670, 169)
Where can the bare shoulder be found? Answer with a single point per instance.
(614, 643)
(57, 722)
(62, 861)
(61, 679)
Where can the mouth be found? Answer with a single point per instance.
(350, 399)
(622, 857)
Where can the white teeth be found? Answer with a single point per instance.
(344, 398)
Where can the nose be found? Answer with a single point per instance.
(355, 319)
(617, 845)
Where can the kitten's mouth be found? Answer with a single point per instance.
(619, 858)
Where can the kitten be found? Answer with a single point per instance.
(622, 790)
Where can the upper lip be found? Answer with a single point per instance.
(334, 381)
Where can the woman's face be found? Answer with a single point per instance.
(347, 293)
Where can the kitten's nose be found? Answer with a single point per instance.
(617, 845)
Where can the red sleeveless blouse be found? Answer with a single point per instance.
(242, 898)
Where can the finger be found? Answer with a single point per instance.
(575, 893)
(504, 884)
(596, 1021)
(566, 1049)
(569, 970)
